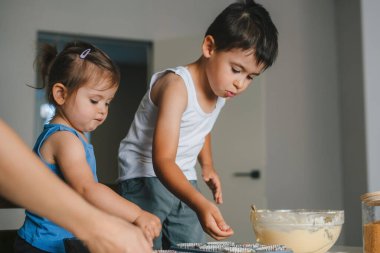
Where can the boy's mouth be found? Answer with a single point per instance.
(230, 94)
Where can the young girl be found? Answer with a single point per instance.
(81, 82)
(172, 126)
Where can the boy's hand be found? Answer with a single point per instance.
(212, 180)
(150, 224)
(212, 221)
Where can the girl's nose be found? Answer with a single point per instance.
(103, 109)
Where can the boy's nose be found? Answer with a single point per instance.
(237, 84)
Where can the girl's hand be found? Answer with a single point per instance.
(212, 221)
(150, 224)
(212, 180)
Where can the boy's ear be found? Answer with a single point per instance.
(59, 92)
(208, 46)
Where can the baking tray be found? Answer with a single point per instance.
(208, 251)
(73, 245)
(221, 247)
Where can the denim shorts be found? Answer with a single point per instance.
(180, 223)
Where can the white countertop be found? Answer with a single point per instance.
(344, 249)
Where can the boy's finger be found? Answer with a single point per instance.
(219, 199)
(219, 234)
(222, 225)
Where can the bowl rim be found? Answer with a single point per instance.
(301, 211)
(326, 212)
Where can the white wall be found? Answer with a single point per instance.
(303, 128)
(371, 55)
(358, 53)
(351, 114)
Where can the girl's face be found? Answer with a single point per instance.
(87, 108)
(230, 72)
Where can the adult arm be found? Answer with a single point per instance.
(26, 181)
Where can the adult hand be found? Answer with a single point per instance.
(114, 235)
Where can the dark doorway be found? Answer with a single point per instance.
(134, 59)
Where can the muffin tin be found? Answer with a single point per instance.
(230, 247)
(74, 245)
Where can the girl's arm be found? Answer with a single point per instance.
(26, 181)
(69, 154)
(209, 174)
(170, 96)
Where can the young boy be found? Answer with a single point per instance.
(172, 125)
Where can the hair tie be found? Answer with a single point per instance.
(85, 53)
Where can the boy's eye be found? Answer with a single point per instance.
(250, 77)
(93, 101)
(235, 70)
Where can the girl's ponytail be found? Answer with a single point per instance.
(44, 60)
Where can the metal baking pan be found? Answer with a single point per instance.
(208, 251)
(225, 246)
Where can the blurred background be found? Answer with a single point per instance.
(305, 135)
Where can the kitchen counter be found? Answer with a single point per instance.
(344, 249)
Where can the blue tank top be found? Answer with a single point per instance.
(39, 231)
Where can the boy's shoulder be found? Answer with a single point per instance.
(168, 85)
(169, 78)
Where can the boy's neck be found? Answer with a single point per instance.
(205, 95)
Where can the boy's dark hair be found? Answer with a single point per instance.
(247, 26)
(78, 63)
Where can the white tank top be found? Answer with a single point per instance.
(135, 151)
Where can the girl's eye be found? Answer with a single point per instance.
(107, 104)
(235, 70)
(250, 78)
(93, 101)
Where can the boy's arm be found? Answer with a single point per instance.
(170, 96)
(209, 174)
(26, 181)
(71, 158)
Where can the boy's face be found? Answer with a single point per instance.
(230, 72)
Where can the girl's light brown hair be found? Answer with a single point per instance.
(77, 64)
